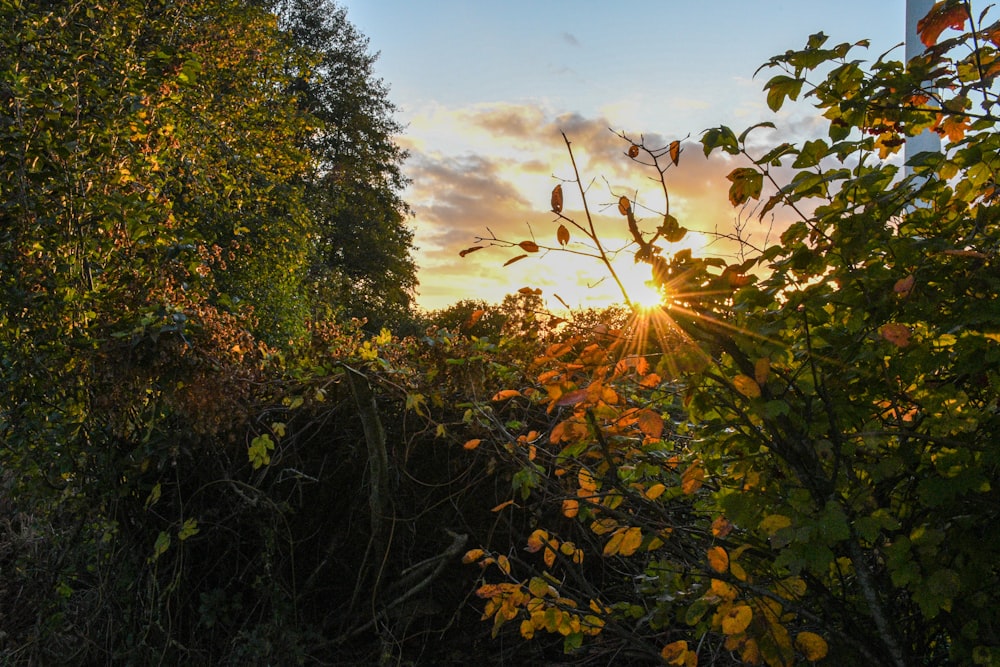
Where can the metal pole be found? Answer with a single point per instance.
(927, 140)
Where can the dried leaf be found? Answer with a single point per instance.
(562, 235)
(650, 423)
(529, 290)
(472, 249)
(675, 152)
(572, 398)
(624, 205)
(557, 199)
(528, 246)
(506, 503)
(633, 151)
(514, 259)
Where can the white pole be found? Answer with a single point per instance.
(926, 140)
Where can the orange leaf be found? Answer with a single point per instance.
(897, 334)
(550, 555)
(472, 444)
(514, 259)
(747, 386)
(586, 481)
(557, 199)
(655, 491)
(474, 317)
(675, 152)
(468, 250)
(570, 508)
(692, 478)
(472, 555)
(940, 18)
(536, 541)
(903, 286)
(718, 559)
(650, 423)
(505, 394)
(813, 646)
(624, 205)
(529, 290)
(721, 527)
(651, 381)
(562, 235)
(502, 505)
(528, 246)
(675, 653)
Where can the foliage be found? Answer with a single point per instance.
(803, 468)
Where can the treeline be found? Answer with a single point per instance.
(228, 438)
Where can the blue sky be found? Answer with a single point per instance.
(485, 88)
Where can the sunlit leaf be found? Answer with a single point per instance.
(747, 386)
(624, 205)
(472, 444)
(692, 478)
(472, 555)
(746, 184)
(737, 620)
(562, 235)
(514, 259)
(812, 646)
(557, 199)
(941, 17)
(675, 152)
(505, 394)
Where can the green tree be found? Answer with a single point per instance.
(828, 488)
(361, 256)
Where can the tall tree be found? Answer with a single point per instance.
(362, 262)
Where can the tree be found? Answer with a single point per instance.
(826, 487)
(361, 261)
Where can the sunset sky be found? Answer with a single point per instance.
(485, 88)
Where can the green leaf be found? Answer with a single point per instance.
(780, 87)
(720, 138)
(746, 184)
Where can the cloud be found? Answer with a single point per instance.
(570, 39)
(492, 172)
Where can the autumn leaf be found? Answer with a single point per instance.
(557, 199)
(903, 286)
(514, 259)
(624, 205)
(812, 646)
(897, 334)
(718, 559)
(529, 290)
(528, 246)
(655, 491)
(570, 508)
(692, 478)
(536, 541)
(761, 370)
(721, 527)
(675, 653)
(472, 555)
(650, 423)
(940, 18)
(470, 250)
(474, 317)
(631, 538)
(633, 151)
(737, 620)
(651, 381)
(562, 235)
(746, 184)
(472, 444)
(747, 386)
(675, 152)
(505, 504)
(505, 394)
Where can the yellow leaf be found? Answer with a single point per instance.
(774, 522)
(737, 620)
(675, 652)
(602, 526)
(504, 564)
(549, 556)
(761, 369)
(614, 544)
(527, 629)
(724, 590)
(631, 540)
(586, 480)
(472, 444)
(472, 555)
(737, 571)
(747, 386)
(718, 559)
(813, 646)
(655, 491)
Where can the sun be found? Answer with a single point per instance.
(638, 284)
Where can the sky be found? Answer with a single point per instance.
(486, 89)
